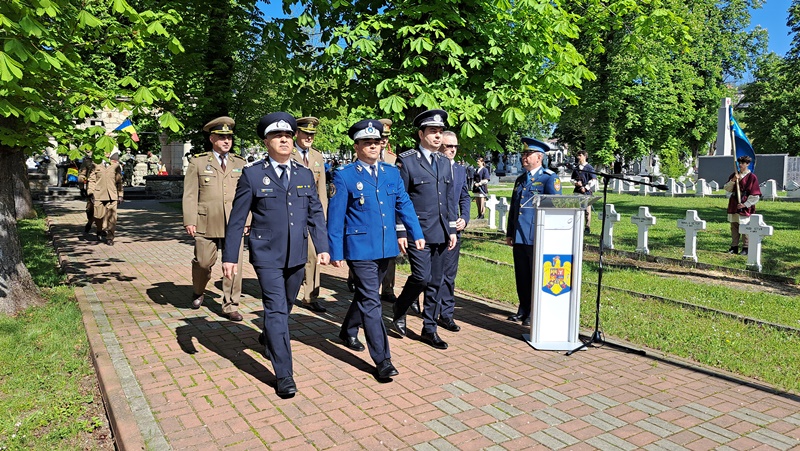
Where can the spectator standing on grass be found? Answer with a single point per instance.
(742, 203)
(585, 180)
(480, 187)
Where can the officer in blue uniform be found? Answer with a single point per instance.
(429, 183)
(519, 233)
(461, 198)
(366, 196)
(282, 197)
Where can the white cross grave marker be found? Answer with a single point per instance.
(691, 225)
(755, 230)
(491, 205)
(643, 220)
(502, 213)
(611, 217)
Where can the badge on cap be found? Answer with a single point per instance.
(266, 180)
(359, 186)
(437, 118)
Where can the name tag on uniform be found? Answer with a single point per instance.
(266, 190)
(208, 172)
(237, 170)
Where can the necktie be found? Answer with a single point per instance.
(284, 175)
(305, 158)
(222, 163)
(374, 170)
(433, 165)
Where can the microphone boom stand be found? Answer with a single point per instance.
(596, 336)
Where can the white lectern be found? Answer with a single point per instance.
(557, 266)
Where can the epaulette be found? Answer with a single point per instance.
(237, 156)
(253, 163)
(344, 166)
(387, 164)
(407, 153)
(549, 172)
(201, 154)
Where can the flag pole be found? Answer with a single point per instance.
(735, 163)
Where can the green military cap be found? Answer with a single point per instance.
(308, 124)
(222, 125)
(387, 127)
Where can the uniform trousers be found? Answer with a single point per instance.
(427, 273)
(311, 283)
(105, 217)
(523, 273)
(279, 288)
(205, 256)
(447, 296)
(387, 287)
(366, 307)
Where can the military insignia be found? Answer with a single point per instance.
(208, 167)
(408, 153)
(207, 179)
(331, 190)
(266, 180)
(359, 186)
(557, 184)
(316, 163)
(437, 118)
(556, 274)
(361, 200)
(359, 168)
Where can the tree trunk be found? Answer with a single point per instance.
(23, 202)
(17, 290)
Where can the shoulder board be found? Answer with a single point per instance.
(548, 171)
(408, 153)
(201, 154)
(253, 163)
(383, 163)
(238, 157)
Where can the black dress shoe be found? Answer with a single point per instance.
(316, 307)
(415, 307)
(432, 338)
(744, 251)
(390, 298)
(400, 326)
(285, 388)
(515, 317)
(527, 322)
(386, 370)
(733, 250)
(197, 300)
(351, 342)
(448, 324)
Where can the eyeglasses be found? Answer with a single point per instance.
(451, 146)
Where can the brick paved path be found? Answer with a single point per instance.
(178, 378)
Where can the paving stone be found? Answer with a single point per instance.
(699, 411)
(610, 442)
(751, 416)
(774, 439)
(604, 421)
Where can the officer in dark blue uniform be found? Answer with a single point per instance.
(429, 183)
(366, 196)
(282, 196)
(462, 200)
(521, 218)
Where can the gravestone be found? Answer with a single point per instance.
(661, 180)
(643, 220)
(502, 213)
(616, 186)
(702, 189)
(755, 230)
(611, 217)
(680, 188)
(628, 186)
(691, 225)
(689, 185)
(643, 189)
(714, 186)
(793, 190)
(769, 190)
(491, 205)
(672, 188)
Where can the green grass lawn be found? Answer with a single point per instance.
(48, 388)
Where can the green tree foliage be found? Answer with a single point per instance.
(49, 77)
(661, 68)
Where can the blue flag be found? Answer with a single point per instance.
(741, 143)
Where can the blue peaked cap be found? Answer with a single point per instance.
(534, 145)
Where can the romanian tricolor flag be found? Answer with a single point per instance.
(127, 126)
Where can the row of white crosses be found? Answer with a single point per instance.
(756, 230)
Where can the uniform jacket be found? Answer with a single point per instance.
(361, 214)
(283, 219)
(316, 162)
(430, 192)
(461, 192)
(521, 218)
(208, 192)
(105, 182)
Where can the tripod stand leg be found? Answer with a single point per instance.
(595, 338)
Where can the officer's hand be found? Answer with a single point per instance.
(402, 243)
(337, 263)
(460, 224)
(246, 230)
(420, 243)
(453, 241)
(120, 200)
(191, 230)
(509, 241)
(228, 269)
(323, 258)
